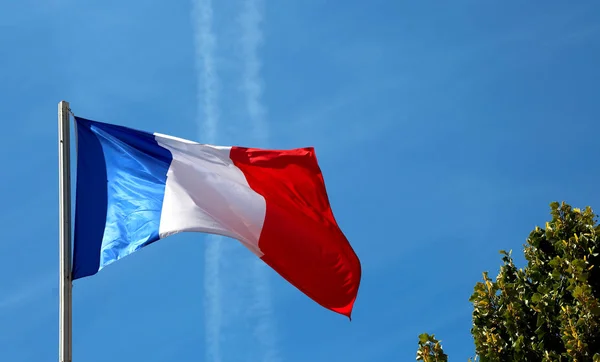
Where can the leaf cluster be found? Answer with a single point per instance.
(430, 349)
(549, 310)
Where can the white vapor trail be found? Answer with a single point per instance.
(251, 17)
(212, 306)
(251, 40)
(205, 44)
(208, 121)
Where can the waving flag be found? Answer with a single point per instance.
(134, 188)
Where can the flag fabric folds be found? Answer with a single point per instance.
(134, 188)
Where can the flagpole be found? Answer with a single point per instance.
(65, 284)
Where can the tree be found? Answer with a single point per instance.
(430, 349)
(547, 311)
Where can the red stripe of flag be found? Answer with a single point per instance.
(300, 238)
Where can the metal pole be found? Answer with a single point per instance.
(64, 190)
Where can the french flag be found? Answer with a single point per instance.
(134, 188)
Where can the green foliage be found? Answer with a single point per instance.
(550, 310)
(430, 349)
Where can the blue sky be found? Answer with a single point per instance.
(444, 130)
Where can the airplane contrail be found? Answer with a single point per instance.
(252, 37)
(208, 122)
